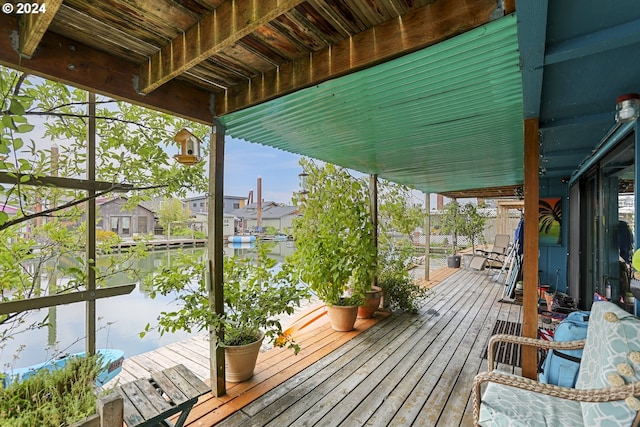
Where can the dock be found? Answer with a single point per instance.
(161, 244)
(394, 369)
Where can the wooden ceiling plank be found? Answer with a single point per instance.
(34, 25)
(69, 62)
(416, 30)
(218, 30)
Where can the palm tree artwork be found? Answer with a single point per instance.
(550, 221)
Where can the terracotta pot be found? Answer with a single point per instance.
(371, 303)
(240, 360)
(342, 318)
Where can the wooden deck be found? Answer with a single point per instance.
(393, 370)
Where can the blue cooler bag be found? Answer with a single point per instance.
(561, 367)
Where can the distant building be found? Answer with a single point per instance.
(273, 214)
(198, 204)
(227, 223)
(125, 222)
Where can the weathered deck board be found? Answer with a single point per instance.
(379, 408)
(399, 370)
(407, 370)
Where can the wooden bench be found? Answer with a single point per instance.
(150, 401)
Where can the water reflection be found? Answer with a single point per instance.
(120, 319)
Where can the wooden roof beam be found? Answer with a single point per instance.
(67, 61)
(416, 30)
(34, 25)
(225, 26)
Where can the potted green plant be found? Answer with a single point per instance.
(401, 292)
(256, 293)
(335, 246)
(472, 227)
(452, 223)
(399, 218)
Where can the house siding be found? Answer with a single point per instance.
(125, 223)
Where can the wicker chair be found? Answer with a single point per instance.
(608, 381)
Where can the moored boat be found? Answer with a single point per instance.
(241, 239)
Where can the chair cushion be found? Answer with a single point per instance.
(611, 356)
(509, 406)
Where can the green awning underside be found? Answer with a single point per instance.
(445, 118)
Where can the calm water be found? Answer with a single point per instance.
(120, 319)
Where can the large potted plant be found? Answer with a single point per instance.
(256, 293)
(452, 223)
(335, 246)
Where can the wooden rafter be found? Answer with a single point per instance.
(416, 30)
(64, 60)
(34, 25)
(502, 192)
(222, 28)
(67, 61)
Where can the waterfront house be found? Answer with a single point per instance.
(477, 98)
(198, 204)
(200, 219)
(124, 221)
(272, 214)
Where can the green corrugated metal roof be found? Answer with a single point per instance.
(445, 118)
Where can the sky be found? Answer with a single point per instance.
(246, 161)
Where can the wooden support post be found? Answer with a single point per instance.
(427, 235)
(91, 227)
(216, 254)
(530, 248)
(111, 410)
(373, 199)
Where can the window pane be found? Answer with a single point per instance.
(114, 224)
(126, 226)
(142, 224)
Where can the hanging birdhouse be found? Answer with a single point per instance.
(189, 148)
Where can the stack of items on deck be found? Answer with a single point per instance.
(556, 306)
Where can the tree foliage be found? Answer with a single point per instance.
(172, 210)
(473, 223)
(44, 133)
(335, 250)
(396, 210)
(452, 222)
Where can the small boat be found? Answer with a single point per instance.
(241, 239)
(241, 245)
(112, 360)
(280, 237)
